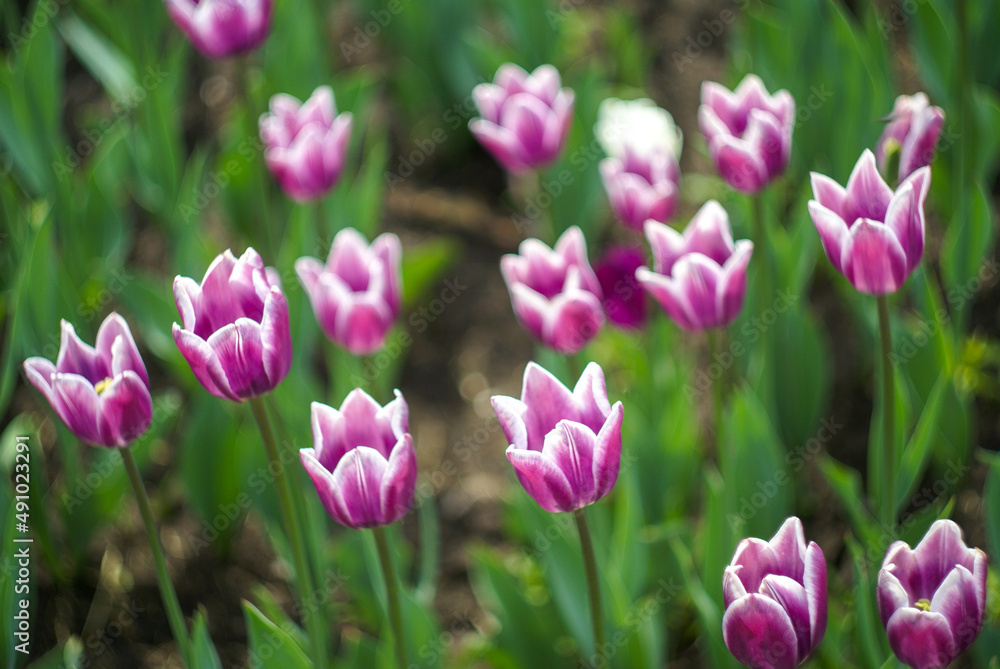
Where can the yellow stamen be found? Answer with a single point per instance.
(923, 604)
(102, 385)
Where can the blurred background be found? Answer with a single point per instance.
(127, 158)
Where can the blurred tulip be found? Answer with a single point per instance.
(362, 463)
(700, 276)
(524, 117)
(306, 143)
(624, 299)
(565, 446)
(555, 294)
(102, 393)
(749, 131)
(873, 236)
(235, 332)
(356, 296)
(775, 598)
(220, 28)
(913, 131)
(641, 173)
(932, 600)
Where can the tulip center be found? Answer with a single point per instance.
(102, 385)
(923, 604)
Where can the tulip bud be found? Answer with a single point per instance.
(910, 137)
(220, 28)
(565, 446)
(101, 393)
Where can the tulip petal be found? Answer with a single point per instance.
(793, 599)
(204, 363)
(76, 357)
(511, 414)
(608, 451)
(670, 296)
(832, 232)
(572, 319)
(828, 193)
(115, 343)
(732, 586)
(891, 595)
(240, 351)
(548, 402)
(698, 277)
(955, 599)
(868, 195)
(542, 480)
(709, 233)
(328, 429)
(789, 548)
(362, 324)
(276, 338)
(571, 447)
(666, 244)
(756, 560)
(590, 398)
(732, 287)
(905, 216)
(873, 259)
(126, 409)
(937, 554)
(814, 580)
(40, 372)
(738, 163)
(399, 480)
(323, 481)
(918, 147)
(79, 407)
(759, 633)
(502, 144)
(921, 639)
(357, 486)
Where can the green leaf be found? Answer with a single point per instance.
(101, 57)
(426, 264)
(991, 502)
(802, 387)
(921, 445)
(869, 627)
(203, 651)
(270, 647)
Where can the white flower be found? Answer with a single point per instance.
(639, 125)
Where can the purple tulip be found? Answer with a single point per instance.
(565, 446)
(556, 296)
(749, 131)
(235, 332)
(102, 393)
(641, 173)
(873, 236)
(624, 299)
(524, 117)
(356, 296)
(775, 597)
(700, 277)
(306, 143)
(932, 600)
(913, 131)
(220, 28)
(362, 462)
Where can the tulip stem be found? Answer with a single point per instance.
(170, 602)
(312, 615)
(593, 583)
(888, 510)
(714, 339)
(391, 595)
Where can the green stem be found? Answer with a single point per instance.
(311, 613)
(593, 582)
(714, 339)
(392, 595)
(170, 602)
(888, 506)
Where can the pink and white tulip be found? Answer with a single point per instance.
(913, 130)
(932, 599)
(565, 446)
(699, 277)
(220, 28)
(555, 293)
(775, 598)
(356, 295)
(234, 332)
(872, 235)
(748, 130)
(624, 299)
(101, 393)
(524, 118)
(362, 462)
(306, 143)
(641, 173)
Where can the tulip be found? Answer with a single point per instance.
(749, 131)
(306, 143)
(641, 173)
(913, 131)
(235, 332)
(872, 235)
(362, 463)
(624, 299)
(932, 600)
(101, 393)
(775, 598)
(555, 294)
(356, 296)
(220, 28)
(564, 446)
(524, 118)
(699, 277)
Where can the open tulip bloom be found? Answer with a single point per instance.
(872, 235)
(748, 130)
(102, 393)
(555, 293)
(220, 28)
(306, 143)
(524, 118)
(356, 295)
(641, 173)
(235, 332)
(699, 277)
(913, 131)
(932, 599)
(775, 598)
